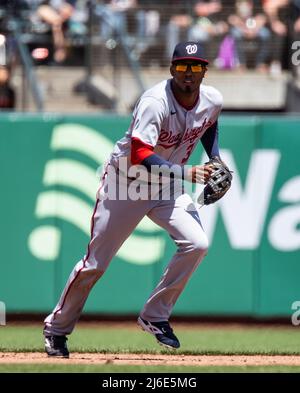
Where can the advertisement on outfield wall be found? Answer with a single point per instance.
(50, 168)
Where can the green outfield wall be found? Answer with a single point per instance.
(48, 184)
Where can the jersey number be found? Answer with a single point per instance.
(188, 153)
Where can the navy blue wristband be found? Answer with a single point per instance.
(156, 164)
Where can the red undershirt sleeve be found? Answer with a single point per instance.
(139, 151)
(143, 154)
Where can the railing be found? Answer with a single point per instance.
(29, 72)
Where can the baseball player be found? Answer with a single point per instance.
(168, 121)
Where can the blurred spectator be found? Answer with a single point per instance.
(7, 92)
(201, 23)
(208, 23)
(114, 24)
(296, 16)
(227, 55)
(148, 25)
(113, 17)
(276, 12)
(245, 26)
(178, 27)
(9, 10)
(55, 13)
(77, 24)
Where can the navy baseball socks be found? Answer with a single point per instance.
(162, 331)
(56, 346)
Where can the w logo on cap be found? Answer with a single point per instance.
(191, 49)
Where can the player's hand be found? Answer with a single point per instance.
(199, 173)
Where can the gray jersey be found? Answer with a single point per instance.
(162, 123)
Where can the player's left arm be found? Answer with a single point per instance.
(210, 141)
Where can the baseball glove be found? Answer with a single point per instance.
(218, 183)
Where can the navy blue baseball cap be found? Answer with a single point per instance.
(189, 51)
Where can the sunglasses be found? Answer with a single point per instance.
(194, 67)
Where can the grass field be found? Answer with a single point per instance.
(76, 368)
(128, 339)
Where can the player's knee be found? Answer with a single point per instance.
(95, 266)
(200, 245)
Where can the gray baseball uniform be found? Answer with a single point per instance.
(172, 131)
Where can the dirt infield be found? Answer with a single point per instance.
(144, 359)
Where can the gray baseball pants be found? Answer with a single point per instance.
(112, 223)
